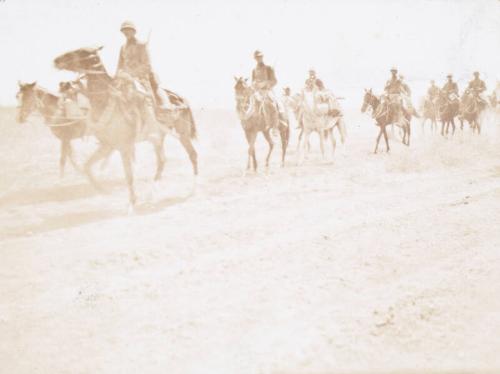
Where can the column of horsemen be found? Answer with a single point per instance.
(141, 90)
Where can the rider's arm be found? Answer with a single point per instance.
(145, 65)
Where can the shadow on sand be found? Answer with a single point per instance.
(56, 193)
(75, 219)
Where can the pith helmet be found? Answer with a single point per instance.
(128, 25)
(449, 76)
(257, 54)
(394, 69)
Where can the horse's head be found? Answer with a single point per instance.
(27, 100)
(241, 87)
(80, 60)
(242, 92)
(369, 99)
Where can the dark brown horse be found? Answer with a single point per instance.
(448, 108)
(33, 98)
(471, 107)
(259, 116)
(112, 122)
(387, 113)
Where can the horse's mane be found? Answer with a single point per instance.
(48, 97)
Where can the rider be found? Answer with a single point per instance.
(263, 81)
(134, 61)
(433, 92)
(327, 97)
(450, 89)
(311, 81)
(477, 87)
(406, 94)
(394, 90)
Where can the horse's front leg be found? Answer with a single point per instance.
(252, 137)
(408, 133)
(321, 133)
(285, 136)
(269, 140)
(302, 147)
(334, 144)
(378, 137)
(101, 153)
(160, 157)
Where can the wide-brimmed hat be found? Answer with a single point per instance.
(394, 69)
(257, 53)
(476, 73)
(449, 76)
(128, 25)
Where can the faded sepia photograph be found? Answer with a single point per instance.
(250, 187)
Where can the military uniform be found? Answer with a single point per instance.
(433, 92)
(450, 87)
(134, 59)
(477, 85)
(393, 86)
(263, 81)
(263, 77)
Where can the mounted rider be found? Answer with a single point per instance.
(398, 93)
(450, 89)
(312, 79)
(433, 92)
(477, 87)
(134, 69)
(263, 82)
(325, 96)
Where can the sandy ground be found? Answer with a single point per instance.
(376, 263)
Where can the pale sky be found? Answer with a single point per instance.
(197, 46)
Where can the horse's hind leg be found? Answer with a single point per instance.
(102, 152)
(188, 146)
(334, 144)
(129, 175)
(160, 157)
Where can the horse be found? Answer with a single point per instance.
(448, 109)
(33, 98)
(316, 115)
(470, 108)
(113, 122)
(259, 114)
(429, 112)
(387, 113)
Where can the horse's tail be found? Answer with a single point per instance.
(192, 124)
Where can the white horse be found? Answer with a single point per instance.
(319, 112)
